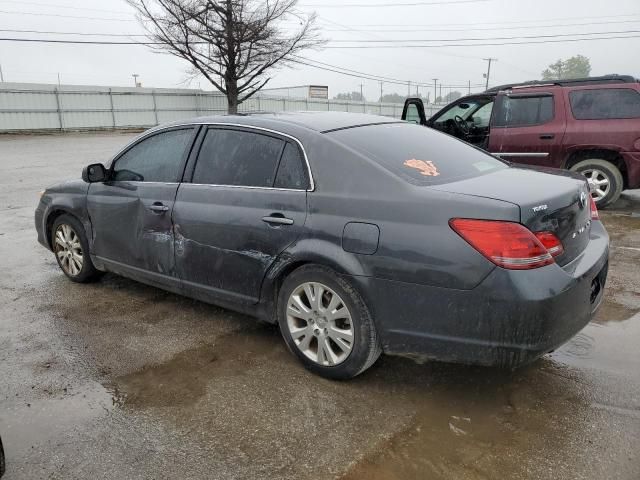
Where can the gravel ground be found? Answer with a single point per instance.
(120, 380)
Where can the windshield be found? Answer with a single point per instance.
(465, 109)
(420, 156)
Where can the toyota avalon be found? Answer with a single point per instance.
(356, 234)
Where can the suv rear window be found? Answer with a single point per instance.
(600, 104)
(513, 111)
(419, 155)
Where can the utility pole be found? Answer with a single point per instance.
(135, 79)
(58, 78)
(435, 89)
(361, 92)
(469, 89)
(380, 92)
(489, 69)
(409, 88)
(417, 92)
(440, 92)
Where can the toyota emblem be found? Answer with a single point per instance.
(583, 199)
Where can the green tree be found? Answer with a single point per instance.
(574, 67)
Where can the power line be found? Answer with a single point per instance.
(376, 5)
(528, 42)
(499, 44)
(323, 66)
(69, 16)
(512, 22)
(72, 7)
(76, 33)
(371, 76)
(404, 30)
(476, 39)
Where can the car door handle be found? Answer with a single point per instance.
(159, 208)
(277, 220)
(547, 136)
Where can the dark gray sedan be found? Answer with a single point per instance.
(356, 234)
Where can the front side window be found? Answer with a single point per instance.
(482, 116)
(601, 104)
(523, 111)
(155, 159)
(239, 158)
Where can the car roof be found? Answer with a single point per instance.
(321, 122)
(603, 80)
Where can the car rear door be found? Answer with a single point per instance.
(130, 213)
(528, 127)
(245, 203)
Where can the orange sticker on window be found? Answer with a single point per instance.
(426, 167)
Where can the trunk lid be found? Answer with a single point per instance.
(550, 200)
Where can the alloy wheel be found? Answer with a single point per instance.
(320, 324)
(599, 183)
(68, 249)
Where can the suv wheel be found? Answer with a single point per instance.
(326, 324)
(604, 178)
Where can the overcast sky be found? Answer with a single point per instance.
(385, 20)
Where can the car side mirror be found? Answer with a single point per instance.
(94, 173)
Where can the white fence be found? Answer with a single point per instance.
(25, 107)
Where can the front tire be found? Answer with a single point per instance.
(326, 324)
(71, 249)
(605, 179)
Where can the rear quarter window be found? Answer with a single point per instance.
(418, 155)
(602, 104)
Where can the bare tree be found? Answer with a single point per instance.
(234, 44)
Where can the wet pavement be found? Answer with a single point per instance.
(120, 380)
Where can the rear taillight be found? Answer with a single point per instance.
(507, 244)
(550, 242)
(594, 210)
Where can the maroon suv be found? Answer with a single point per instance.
(589, 125)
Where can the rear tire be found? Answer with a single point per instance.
(606, 177)
(326, 324)
(71, 249)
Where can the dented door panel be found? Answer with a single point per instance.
(126, 230)
(224, 245)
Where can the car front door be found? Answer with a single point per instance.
(528, 128)
(130, 213)
(245, 204)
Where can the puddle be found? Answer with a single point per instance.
(610, 347)
(183, 379)
(27, 425)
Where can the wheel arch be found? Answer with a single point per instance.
(318, 253)
(611, 156)
(50, 219)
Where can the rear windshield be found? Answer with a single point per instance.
(417, 154)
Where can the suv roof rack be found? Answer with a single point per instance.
(569, 82)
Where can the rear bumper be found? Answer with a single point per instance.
(511, 318)
(632, 161)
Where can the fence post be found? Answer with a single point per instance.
(113, 113)
(155, 106)
(55, 90)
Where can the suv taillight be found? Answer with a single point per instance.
(509, 245)
(594, 210)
